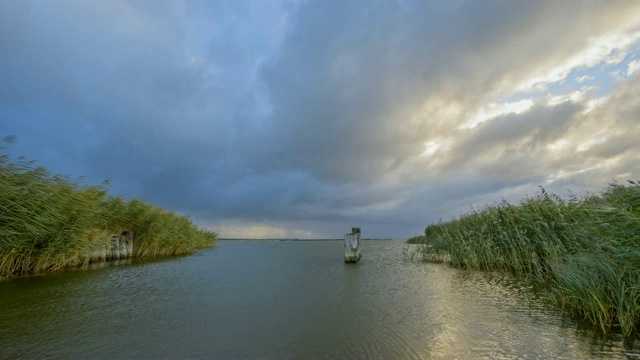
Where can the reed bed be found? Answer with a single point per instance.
(586, 251)
(48, 222)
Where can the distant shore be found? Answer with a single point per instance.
(295, 239)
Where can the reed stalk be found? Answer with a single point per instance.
(585, 250)
(49, 222)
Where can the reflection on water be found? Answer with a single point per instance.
(247, 299)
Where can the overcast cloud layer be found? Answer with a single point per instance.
(305, 118)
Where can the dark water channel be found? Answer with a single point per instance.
(288, 299)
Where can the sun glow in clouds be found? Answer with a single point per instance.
(242, 230)
(430, 148)
(599, 139)
(558, 145)
(494, 110)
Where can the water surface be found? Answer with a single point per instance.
(288, 299)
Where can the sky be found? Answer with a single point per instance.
(302, 118)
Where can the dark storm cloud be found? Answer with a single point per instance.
(121, 80)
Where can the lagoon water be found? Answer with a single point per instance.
(288, 299)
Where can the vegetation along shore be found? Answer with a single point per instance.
(585, 250)
(48, 222)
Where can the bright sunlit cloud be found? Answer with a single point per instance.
(633, 67)
(558, 145)
(607, 49)
(493, 110)
(599, 139)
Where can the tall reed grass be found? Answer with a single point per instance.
(48, 222)
(585, 250)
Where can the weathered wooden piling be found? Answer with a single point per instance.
(114, 254)
(116, 248)
(352, 246)
(122, 247)
(129, 242)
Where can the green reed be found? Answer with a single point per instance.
(418, 239)
(585, 250)
(50, 222)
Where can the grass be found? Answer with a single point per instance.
(418, 239)
(48, 222)
(586, 251)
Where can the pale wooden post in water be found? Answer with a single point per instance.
(114, 251)
(117, 248)
(129, 242)
(125, 245)
(352, 246)
(122, 247)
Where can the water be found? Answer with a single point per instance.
(288, 299)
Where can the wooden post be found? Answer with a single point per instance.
(352, 246)
(113, 248)
(129, 236)
(122, 247)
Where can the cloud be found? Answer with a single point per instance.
(494, 110)
(561, 142)
(292, 118)
(368, 122)
(633, 67)
(583, 78)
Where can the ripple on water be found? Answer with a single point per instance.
(246, 299)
